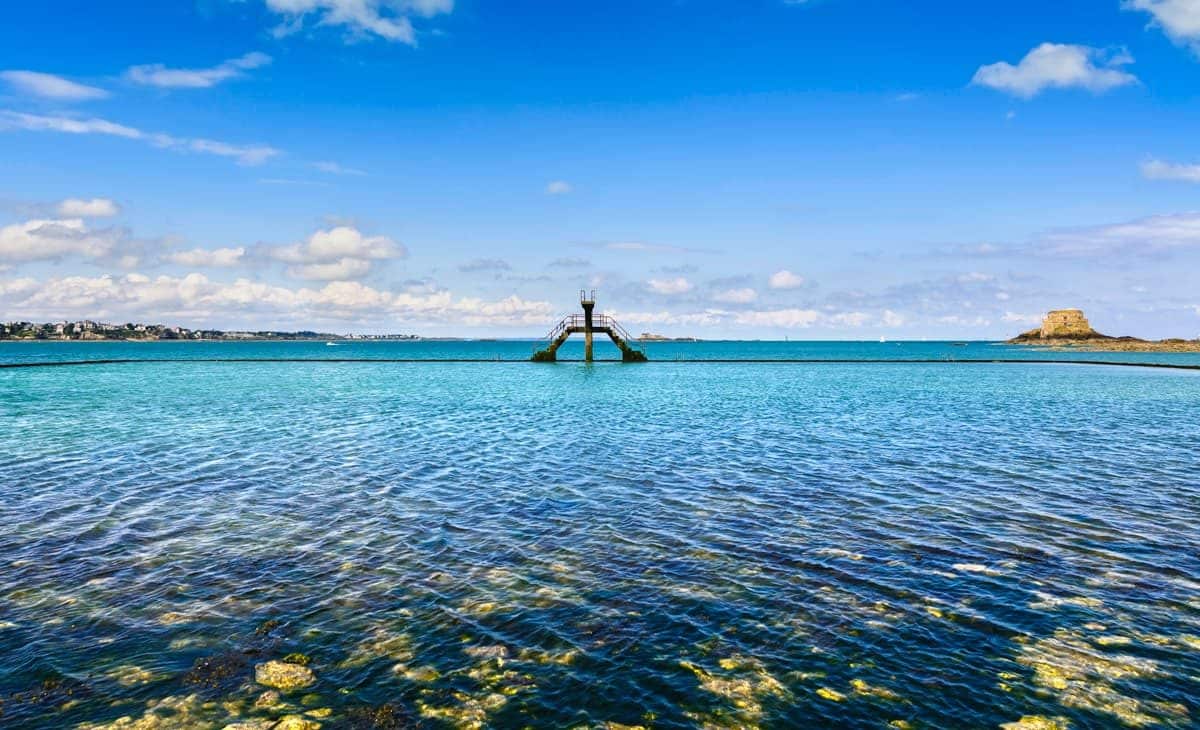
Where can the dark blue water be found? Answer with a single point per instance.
(669, 545)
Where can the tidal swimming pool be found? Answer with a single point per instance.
(669, 545)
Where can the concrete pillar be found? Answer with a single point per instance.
(588, 305)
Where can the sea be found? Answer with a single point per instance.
(732, 535)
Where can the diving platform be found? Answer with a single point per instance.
(588, 324)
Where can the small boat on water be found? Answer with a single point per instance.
(331, 344)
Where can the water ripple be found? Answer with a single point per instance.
(679, 546)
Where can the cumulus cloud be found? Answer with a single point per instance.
(390, 20)
(156, 74)
(736, 296)
(558, 187)
(208, 258)
(49, 86)
(93, 208)
(1180, 19)
(243, 155)
(1056, 65)
(1159, 170)
(342, 252)
(678, 285)
(340, 270)
(48, 239)
(785, 279)
(196, 297)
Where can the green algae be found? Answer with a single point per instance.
(1037, 722)
(744, 687)
(1081, 676)
(283, 675)
(382, 643)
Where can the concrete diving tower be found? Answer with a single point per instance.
(588, 324)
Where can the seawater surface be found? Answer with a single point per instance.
(670, 545)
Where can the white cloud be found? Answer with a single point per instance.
(387, 19)
(678, 285)
(892, 319)
(94, 208)
(779, 318)
(706, 318)
(558, 187)
(339, 242)
(156, 74)
(1159, 170)
(17, 286)
(785, 279)
(848, 319)
(1154, 235)
(196, 297)
(334, 168)
(736, 296)
(341, 270)
(1180, 19)
(342, 252)
(208, 258)
(49, 86)
(1055, 65)
(243, 155)
(42, 240)
(10, 120)
(1015, 318)
(960, 321)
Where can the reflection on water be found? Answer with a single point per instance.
(386, 545)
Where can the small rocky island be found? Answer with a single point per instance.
(1069, 328)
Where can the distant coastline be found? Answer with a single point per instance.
(91, 331)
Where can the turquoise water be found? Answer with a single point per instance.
(668, 545)
(520, 350)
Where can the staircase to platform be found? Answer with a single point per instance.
(588, 324)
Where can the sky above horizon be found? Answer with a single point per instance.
(811, 169)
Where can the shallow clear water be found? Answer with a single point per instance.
(667, 545)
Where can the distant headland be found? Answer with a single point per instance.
(652, 337)
(87, 330)
(1069, 328)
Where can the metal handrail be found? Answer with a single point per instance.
(599, 321)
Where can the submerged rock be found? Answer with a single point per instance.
(212, 672)
(1038, 722)
(284, 675)
(383, 717)
(296, 722)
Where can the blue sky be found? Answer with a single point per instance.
(763, 168)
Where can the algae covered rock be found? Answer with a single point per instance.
(296, 722)
(284, 675)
